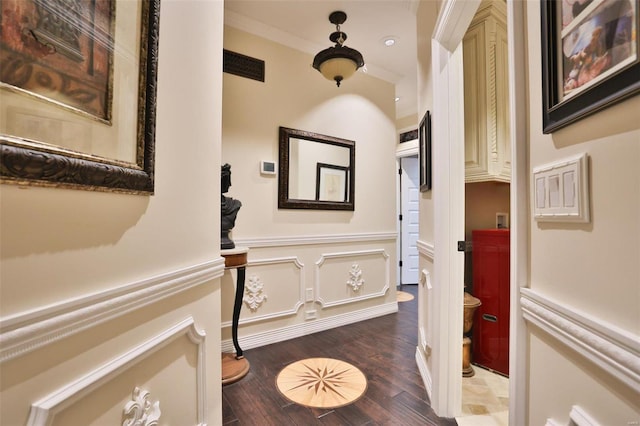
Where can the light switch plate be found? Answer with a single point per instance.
(561, 190)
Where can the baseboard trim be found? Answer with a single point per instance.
(615, 350)
(423, 368)
(28, 331)
(298, 330)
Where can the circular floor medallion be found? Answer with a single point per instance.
(403, 296)
(321, 383)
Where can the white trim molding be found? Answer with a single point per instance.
(614, 350)
(316, 239)
(578, 417)
(139, 411)
(288, 312)
(28, 331)
(345, 255)
(43, 411)
(298, 330)
(426, 249)
(254, 295)
(423, 368)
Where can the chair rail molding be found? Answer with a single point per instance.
(614, 350)
(43, 411)
(28, 331)
(426, 249)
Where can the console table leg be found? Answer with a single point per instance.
(236, 311)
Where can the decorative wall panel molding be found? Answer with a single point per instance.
(28, 331)
(43, 411)
(425, 249)
(349, 255)
(425, 279)
(254, 296)
(296, 303)
(303, 329)
(140, 411)
(614, 350)
(316, 239)
(355, 280)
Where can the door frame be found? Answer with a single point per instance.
(406, 149)
(448, 154)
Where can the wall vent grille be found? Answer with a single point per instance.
(243, 66)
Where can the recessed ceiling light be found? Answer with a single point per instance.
(389, 41)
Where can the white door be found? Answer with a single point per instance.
(409, 225)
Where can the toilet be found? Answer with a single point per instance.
(470, 305)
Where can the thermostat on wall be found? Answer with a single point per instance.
(267, 167)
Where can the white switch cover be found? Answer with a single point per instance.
(562, 190)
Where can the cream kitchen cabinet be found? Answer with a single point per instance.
(486, 96)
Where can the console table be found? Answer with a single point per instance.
(235, 367)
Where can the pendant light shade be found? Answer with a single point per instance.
(339, 62)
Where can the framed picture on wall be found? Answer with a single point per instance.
(78, 87)
(589, 57)
(331, 182)
(424, 152)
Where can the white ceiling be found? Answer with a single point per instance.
(304, 25)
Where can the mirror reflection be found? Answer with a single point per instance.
(316, 171)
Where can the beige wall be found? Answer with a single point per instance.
(409, 122)
(588, 269)
(70, 258)
(301, 259)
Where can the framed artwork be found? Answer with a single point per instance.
(331, 182)
(589, 57)
(78, 87)
(424, 152)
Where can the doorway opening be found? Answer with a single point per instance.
(408, 219)
(487, 172)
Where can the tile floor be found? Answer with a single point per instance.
(485, 399)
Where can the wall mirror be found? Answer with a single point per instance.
(315, 171)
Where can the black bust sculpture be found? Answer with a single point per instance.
(229, 210)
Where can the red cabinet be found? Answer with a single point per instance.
(490, 257)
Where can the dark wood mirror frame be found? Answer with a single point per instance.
(284, 201)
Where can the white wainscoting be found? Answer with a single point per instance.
(614, 350)
(43, 411)
(342, 257)
(425, 249)
(297, 302)
(27, 331)
(309, 327)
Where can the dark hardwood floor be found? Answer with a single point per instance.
(382, 348)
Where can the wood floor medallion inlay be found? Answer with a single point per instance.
(321, 383)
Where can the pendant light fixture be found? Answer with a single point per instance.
(339, 62)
